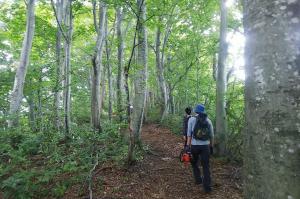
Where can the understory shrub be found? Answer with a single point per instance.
(173, 122)
(35, 165)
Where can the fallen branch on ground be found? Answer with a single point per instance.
(90, 177)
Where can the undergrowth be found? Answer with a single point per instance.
(37, 165)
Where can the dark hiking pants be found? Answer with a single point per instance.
(202, 152)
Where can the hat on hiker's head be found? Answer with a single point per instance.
(200, 108)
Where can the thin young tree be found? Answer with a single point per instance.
(272, 93)
(120, 61)
(17, 92)
(221, 125)
(108, 50)
(68, 22)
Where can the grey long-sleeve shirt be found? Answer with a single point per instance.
(191, 125)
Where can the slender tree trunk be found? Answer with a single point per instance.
(59, 66)
(39, 104)
(272, 93)
(109, 70)
(221, 84)
(97, 69)
(31, 114)
(120, 62)
(171, 102)
(214, 74)
(102, 88)
(160, 76)
(17, 93)
(140, 79)
(67, 67)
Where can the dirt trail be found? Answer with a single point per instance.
(161, 175)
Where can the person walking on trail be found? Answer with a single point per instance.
(199, 139)
(186, 118)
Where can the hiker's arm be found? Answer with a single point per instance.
(183, 130)
(189, 132)
(211, 133)
(189, 139)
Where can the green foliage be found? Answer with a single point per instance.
(31, 163)
(173, 122)
(153, 114)
(236, 121)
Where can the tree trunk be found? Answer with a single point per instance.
(97, 70)
(140, 79)
(221, 84)
(272, 93)
(160, 76)
(120, 62)
(59, 66)
(102, 88)
(31, 114)
(17, 93)
(171, 102)
(109, 70)
(67, 67)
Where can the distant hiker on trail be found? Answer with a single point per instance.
(186, 118)
(199, 138)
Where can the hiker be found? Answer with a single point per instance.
(186, 118)
(199, 138)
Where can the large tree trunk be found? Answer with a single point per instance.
(272, 92)
(221, 84)
(97, 69)
(160, 76)
(17, 93)
(140, 79)
(67, 67)
(59, 66)
(120, 62)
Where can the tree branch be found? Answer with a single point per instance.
(95, 15)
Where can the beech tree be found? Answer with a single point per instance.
(221, 120)
(17, 93)
(97, 69)
(272, 92)
(140, 79)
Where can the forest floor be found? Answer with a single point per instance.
(161, 175)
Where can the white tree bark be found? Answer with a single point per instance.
(98, 69)
(68, 22)
(140, 77)
(109, 69)
(160, 75)
(59, 67)
(17, 93)
(120, 62)
(140, 80)
(221, 125)
(272, 93)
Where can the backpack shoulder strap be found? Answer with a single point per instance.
(196, 121)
